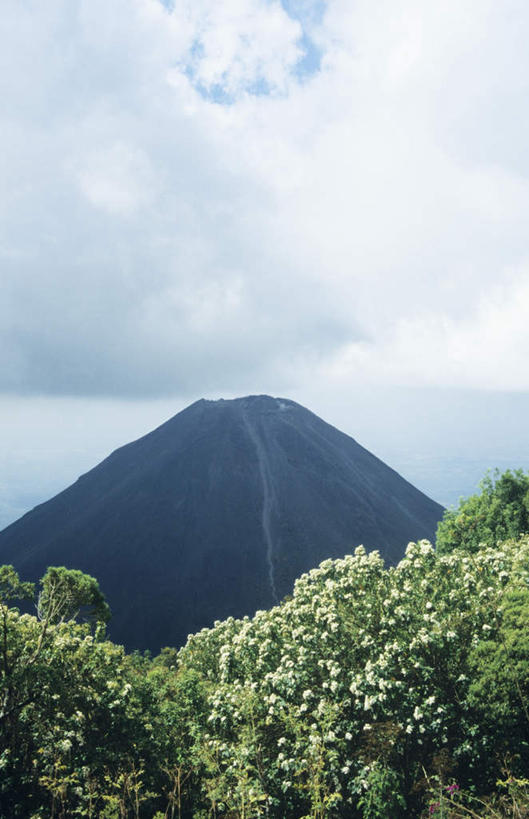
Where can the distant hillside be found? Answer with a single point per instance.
(215, 513)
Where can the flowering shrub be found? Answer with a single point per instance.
(346, 700)
(364, 670)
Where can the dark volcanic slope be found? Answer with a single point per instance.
(215, 513)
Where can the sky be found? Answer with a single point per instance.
(325, 200)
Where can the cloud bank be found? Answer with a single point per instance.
(201, 196)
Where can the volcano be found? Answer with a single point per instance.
(215, 513)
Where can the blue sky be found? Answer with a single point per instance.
(311, 200)
(309, 15)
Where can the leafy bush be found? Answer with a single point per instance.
(499, 512)
(347, 700)
(363, 676)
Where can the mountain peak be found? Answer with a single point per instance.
(264, 402)
(215, 513)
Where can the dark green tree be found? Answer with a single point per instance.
(30, 655)
(499, 512)
(12, 587)
(499, 692)
(69, 594)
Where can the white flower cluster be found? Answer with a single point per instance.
(309, 683)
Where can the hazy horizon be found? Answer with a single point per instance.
(442, 441)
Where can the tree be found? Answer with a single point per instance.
(65, 594)
(12, 588)
(499, 692)
(499, 512)
(68, 594)
(85, 729)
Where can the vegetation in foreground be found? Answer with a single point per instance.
(498, 512)
(371, 692)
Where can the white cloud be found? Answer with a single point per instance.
(117, 178)
(367, 222)
(238, 44)
(486, 346)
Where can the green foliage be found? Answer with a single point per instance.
(381, 796)
(94, 732)
(371, 692)
(67, 594)
(499, 512)
(449, 801)
(499, 691)
(362, 678)
(12, 588)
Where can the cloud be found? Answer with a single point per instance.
(117, 179)
(487, 346)
(240, 45)
(185, 210)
